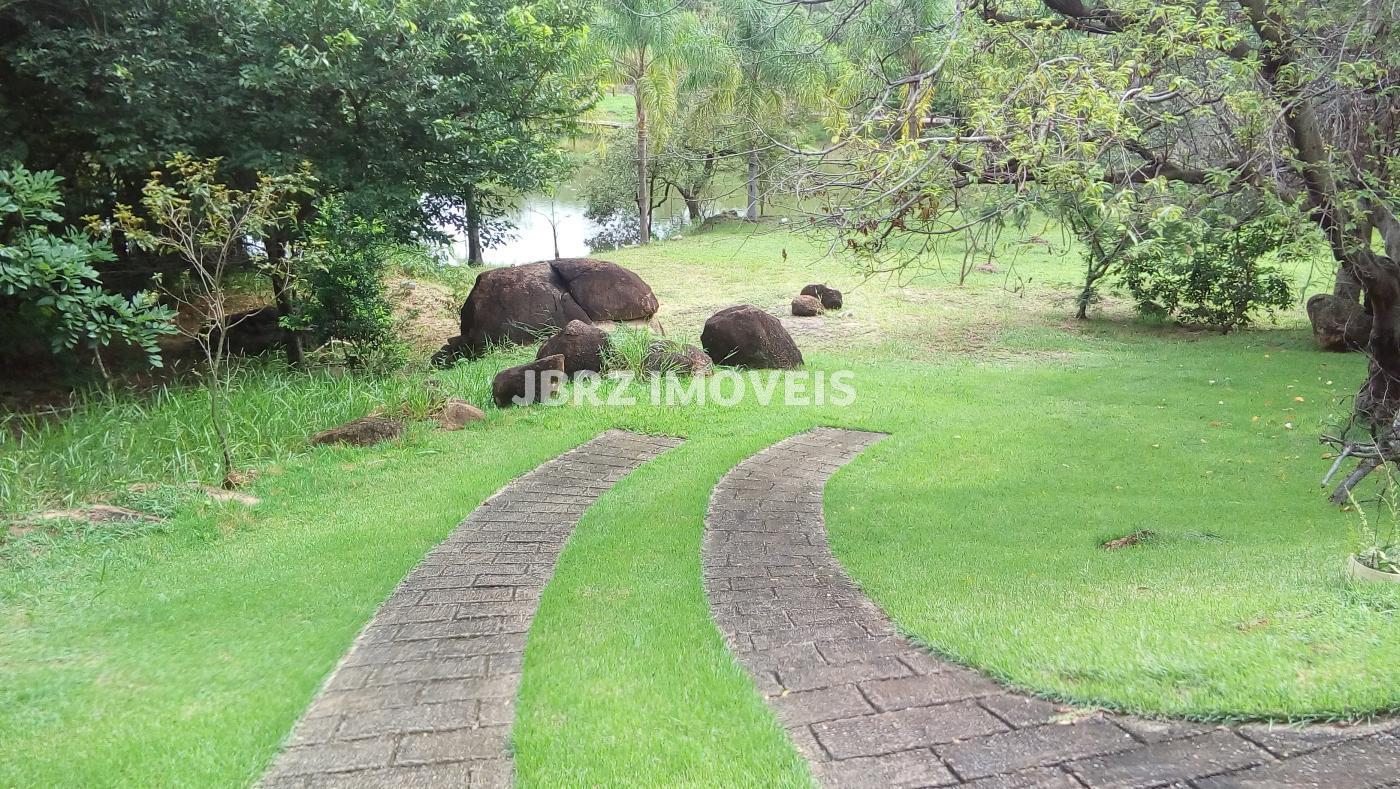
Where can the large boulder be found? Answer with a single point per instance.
(684, 360)
(514, 304)
(528, 383)
(361, 432)
(606, 291)
(829, 297)
(749, 337)
(1339, 324)
(517, 303)
(581, 344)
(807, 307)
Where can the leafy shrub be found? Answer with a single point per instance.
(345, 299)
(54, 279)
(1216, 275)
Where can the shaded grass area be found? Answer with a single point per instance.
(182, 654)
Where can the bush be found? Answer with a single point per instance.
(345, 303)
(52, 279)
(1218, 278)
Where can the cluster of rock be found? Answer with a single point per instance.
(518, 304)
(815, 300)
(570, 298)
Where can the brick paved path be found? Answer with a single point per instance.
(866, 707)
(425, 696)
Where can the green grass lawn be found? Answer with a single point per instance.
(1020, 441)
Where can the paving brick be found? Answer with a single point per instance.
(910, 768)
(401, 720)
(1172, 760)
(827, 704)
(809, 677)
(335, 757)
(431, 776)
(1355, 764)
(1021, 748)
(456, 745)
(923, 690)
(1286, 741)
(1035, 778)
(903, 730)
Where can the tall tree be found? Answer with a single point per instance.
(1154, 108)
(651, 46)
(781, 63)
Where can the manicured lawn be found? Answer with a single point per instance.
(1019, 442)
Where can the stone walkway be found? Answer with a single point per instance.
(867, 707)
(426, 695)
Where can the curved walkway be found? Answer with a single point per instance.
(867, 707)
(426, 695)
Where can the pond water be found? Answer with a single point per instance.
(540, 219)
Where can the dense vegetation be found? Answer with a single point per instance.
(1179, 175)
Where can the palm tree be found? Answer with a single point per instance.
(651, 47)
(783, 64)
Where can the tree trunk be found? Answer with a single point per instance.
(282, 294)
(643, 177)
(1348, 237)
(474, 255)
(693, 210)
(752, 213)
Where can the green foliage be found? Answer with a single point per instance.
(1212, 275)
(399, 106)
(52, 279)
(344, 297)
(1376, 537)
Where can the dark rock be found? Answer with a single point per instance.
(457, 414)
(686, 360)
(829, 297)
(807, 307)
(452, 352)
(581, 344)
(360, 433)
(529, 383)
(1339, 324)
(606, 291)
(747, 336)
(515, 304)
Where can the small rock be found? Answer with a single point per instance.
(807, 307)
(829, 297)
(238, 479)
(988, 268)
(528, 383)
(687, 360)
(219, 494)
(581, 344)
(361, 432)
(1129, 540)
(457, 414)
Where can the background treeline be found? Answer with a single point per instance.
(406, 119)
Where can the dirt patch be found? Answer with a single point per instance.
(1138, 537)
(427, 314)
